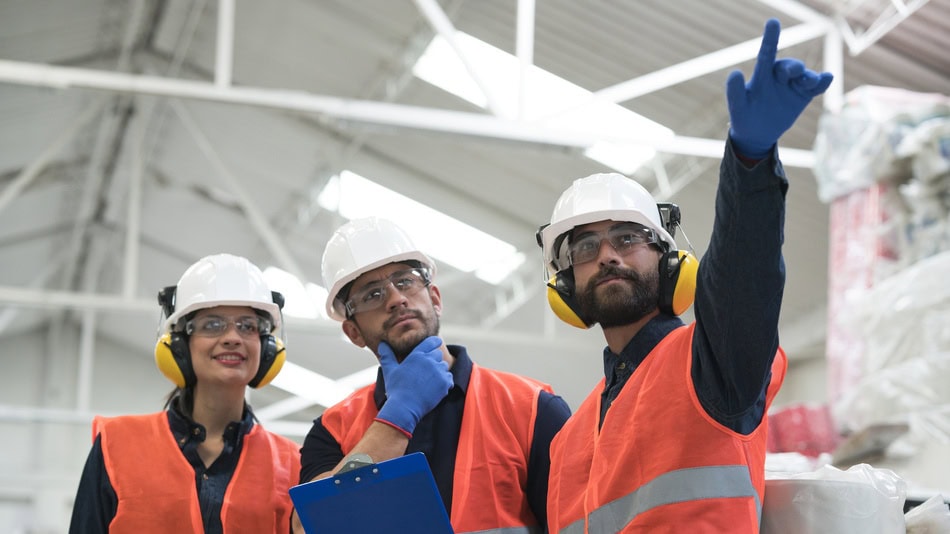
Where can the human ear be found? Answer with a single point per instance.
(436, 296)
(352, 331)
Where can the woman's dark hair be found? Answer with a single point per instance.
(181, 399)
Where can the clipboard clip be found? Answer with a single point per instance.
(355, 461)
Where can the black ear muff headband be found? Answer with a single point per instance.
(173, 357)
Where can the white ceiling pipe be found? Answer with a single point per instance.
(282, 408)
(87, 347)
(370, 112)
(833, 62)
(68, 299)
(21, 414)
(524, 49)
(134, 214)
(224, 48)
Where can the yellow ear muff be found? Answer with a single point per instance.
(561, 299)
(166, 361)
(677, 287)
(280, 356)
(562, 309)
(685, 291)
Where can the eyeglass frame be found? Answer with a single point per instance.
(263, 327)
(383, 284)
(617, 231)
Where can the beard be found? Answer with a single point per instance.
(403, 345)
(620, 304)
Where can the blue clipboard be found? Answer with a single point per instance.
(396, 496)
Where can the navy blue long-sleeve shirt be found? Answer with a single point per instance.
(739, 291)
(437, 436)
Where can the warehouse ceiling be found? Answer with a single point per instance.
(141, 135)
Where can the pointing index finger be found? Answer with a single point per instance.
(768, 49)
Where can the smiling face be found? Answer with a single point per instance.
(616, 288)
(229, 357)
(402, 320)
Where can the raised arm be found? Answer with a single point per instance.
(742, 275)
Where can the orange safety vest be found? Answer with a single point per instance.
(659, 463)
(491, 462)
(155, 484)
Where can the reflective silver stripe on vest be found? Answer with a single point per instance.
(716, 482)
(509, 530)
(577, 527)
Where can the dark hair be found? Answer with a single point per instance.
(181, 399)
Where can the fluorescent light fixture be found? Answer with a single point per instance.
(300, 300)
(443, 237)
(548, 100)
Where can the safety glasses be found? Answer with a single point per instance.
(374, 295)
(215, 326)
(623, 237)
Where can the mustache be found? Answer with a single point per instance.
(400, 315)
(612, 271)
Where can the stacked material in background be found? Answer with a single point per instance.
(883, 166)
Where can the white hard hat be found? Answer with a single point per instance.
(222, 280)
(360, 246)
(598, 197)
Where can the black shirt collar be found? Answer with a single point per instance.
(186, 429)
(637, 348)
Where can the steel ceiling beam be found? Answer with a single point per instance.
(706, 64)
(370, 112)
(431, 10)
(271, 239)
(36, 167)
(891, 13)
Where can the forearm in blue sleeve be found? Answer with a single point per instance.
(739, 292)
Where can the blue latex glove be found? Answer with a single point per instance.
(762, 110)
(415, 386)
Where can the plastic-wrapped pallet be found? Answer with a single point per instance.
(861, 500)
(883, 165)
(865, 142)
